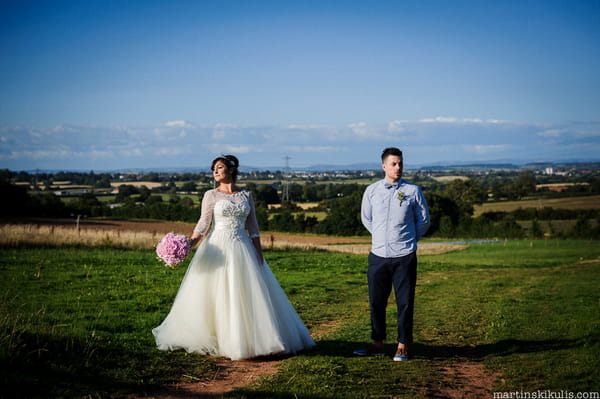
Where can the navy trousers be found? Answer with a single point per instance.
(401, 273)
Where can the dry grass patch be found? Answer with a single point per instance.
(40, 235)
(360, 249)
(447, 179)
(16, 235)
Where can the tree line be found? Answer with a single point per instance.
(451, 208)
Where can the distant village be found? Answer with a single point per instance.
(554, 177)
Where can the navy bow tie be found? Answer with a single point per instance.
(390, 185)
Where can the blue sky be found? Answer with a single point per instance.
(143, 84)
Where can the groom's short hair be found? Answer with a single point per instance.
(390, 151)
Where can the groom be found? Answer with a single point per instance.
(395, 213)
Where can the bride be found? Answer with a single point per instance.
(229, 302)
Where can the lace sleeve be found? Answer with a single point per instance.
(206, 215)
(251, 222)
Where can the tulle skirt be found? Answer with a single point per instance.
(230, 305)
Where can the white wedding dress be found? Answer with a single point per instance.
(228, 303)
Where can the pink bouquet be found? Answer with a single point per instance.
(173, 249)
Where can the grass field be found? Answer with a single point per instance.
(585, 202)
(75, 322)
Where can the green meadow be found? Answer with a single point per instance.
(75, 322)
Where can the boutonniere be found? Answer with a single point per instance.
(400, 196)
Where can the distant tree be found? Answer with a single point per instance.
(152, 176)
(447, 229)
(523, 185)
(262, 217)
(144, 193)
(551, 232)
(344, 217)
(594, 185)
(14, 200)
(582, 228)
(282, 221)
(188, 187)
(465, 193)
(267, 194)
(509, 228)
(309, 193)
(153, 199)
(440, 206)
(87, 204)
(125, 191)
(104, 182)
(48, 205)
(535, 231)
(173, 197)
(296, 191)
(186, 202)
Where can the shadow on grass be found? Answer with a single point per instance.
(41, 365)
(472, 352)
(68, 368)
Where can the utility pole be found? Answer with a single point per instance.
(285, 194)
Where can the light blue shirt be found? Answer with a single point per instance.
(395, 224)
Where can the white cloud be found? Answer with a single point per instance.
(584, 133)
(486, 149)
(397, 126)
(453, 120)
(134, 152)
(218, 134)
(169, 151)
(178, 124)
(37, 154)
(180, 143)
(101, 154)
(231, 149)
(438, 119)
(359, 128)
(308, 127)
(313, 148)
(551, 133)
(225, 126)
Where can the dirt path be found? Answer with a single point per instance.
(229, 375)
(463, 380)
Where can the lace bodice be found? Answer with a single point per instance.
(232, 212)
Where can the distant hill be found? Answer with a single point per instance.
(440, 167)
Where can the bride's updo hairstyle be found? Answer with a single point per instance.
(231, 162)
